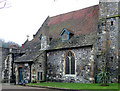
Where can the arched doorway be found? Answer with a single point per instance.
(20, 72)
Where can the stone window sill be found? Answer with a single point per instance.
(70, 75)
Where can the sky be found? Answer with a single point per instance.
(19, 18)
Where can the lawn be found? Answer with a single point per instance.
(75, 85)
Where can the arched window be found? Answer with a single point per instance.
(70, 63)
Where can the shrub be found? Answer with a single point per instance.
(104, 77)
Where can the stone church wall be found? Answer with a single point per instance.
(107, 42)
(39, 68)
(56, 66)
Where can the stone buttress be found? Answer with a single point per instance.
(108, 41)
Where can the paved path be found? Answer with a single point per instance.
(7, 87)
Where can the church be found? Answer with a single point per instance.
(70, 47)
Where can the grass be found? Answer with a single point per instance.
(76, 85)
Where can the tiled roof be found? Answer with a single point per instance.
(80, 22)
(31, 50)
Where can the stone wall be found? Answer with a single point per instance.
(8, 64)
(119, 50)
(39, 68)
(7, 71)
(108, 9)
(107, 41)
(32, 69)
(83, 68)
(26, 71)
(0, 66)
(107, 46)
(4, 55)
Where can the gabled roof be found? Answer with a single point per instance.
(82, 23)
(64, 30)
(31, 50)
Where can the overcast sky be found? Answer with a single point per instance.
(24, 17)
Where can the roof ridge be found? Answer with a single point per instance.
(41, 26)
(73, 11)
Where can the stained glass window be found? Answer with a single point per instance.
(67, 70)
(70, 63)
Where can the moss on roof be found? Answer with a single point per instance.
(75, 41)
